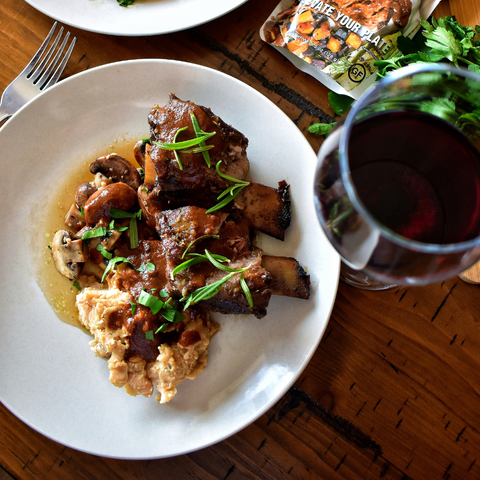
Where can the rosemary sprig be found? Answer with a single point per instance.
(180, 166)
(185, 144)
(197, 258)
(199, 132)
(209, 291)
(230, 192)
(198, 239)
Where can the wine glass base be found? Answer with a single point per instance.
(359, 279)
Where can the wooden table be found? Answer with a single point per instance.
(393, 390)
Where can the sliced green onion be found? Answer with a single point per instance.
(134, 307)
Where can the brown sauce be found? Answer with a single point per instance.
(48, 218)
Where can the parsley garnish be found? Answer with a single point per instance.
(443, 40)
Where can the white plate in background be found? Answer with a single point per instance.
(144, 17)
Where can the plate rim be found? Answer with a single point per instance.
(137, 32)
(306, 359)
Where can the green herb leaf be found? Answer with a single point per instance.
(94, 233)
(133, 230)
(197, 240)
(197, 258)
(246, 291)
(104, 252)
(150, 335)
(134, 307)
(322, 128)
(162, 328)
(77, 285)
(206, 292)
(443, 43)
(340, 104)
(146, 267)
(185, 144)
(150, 301)
(229, 193)
(199, 132)
(180, 166)
(112, 264)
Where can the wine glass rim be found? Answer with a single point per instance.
(345, 169)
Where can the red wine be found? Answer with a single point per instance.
(417, 175)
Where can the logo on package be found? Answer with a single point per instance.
(357, 72)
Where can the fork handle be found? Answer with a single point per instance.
(5, 116)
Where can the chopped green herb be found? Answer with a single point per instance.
(206, 292)
(185, 144)
(197, 258)
(197, 240)
(180, 166)
(150, 301)
(94, 233)
(147, 267)
(209, 291)
(229, 193)
(199, 132)
(112, 264)
(150, 335)
(77, 285)
(104, 251)
(162, 328)
(134, 307)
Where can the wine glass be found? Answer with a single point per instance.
(397, 186)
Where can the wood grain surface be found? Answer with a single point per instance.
(393, 390)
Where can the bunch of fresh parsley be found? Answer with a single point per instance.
(443, 40)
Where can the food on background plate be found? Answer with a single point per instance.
(154, 250)
(339, 41)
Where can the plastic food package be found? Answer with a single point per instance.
(338, 41)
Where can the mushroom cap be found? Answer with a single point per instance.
(139, 152)
(116, 195)
(83, 192)
(117, 168)
(68, 254)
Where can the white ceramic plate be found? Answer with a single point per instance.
(144, 17)
(49, 377)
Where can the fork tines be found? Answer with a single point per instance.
(47, 65)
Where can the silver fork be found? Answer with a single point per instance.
(39, 74)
